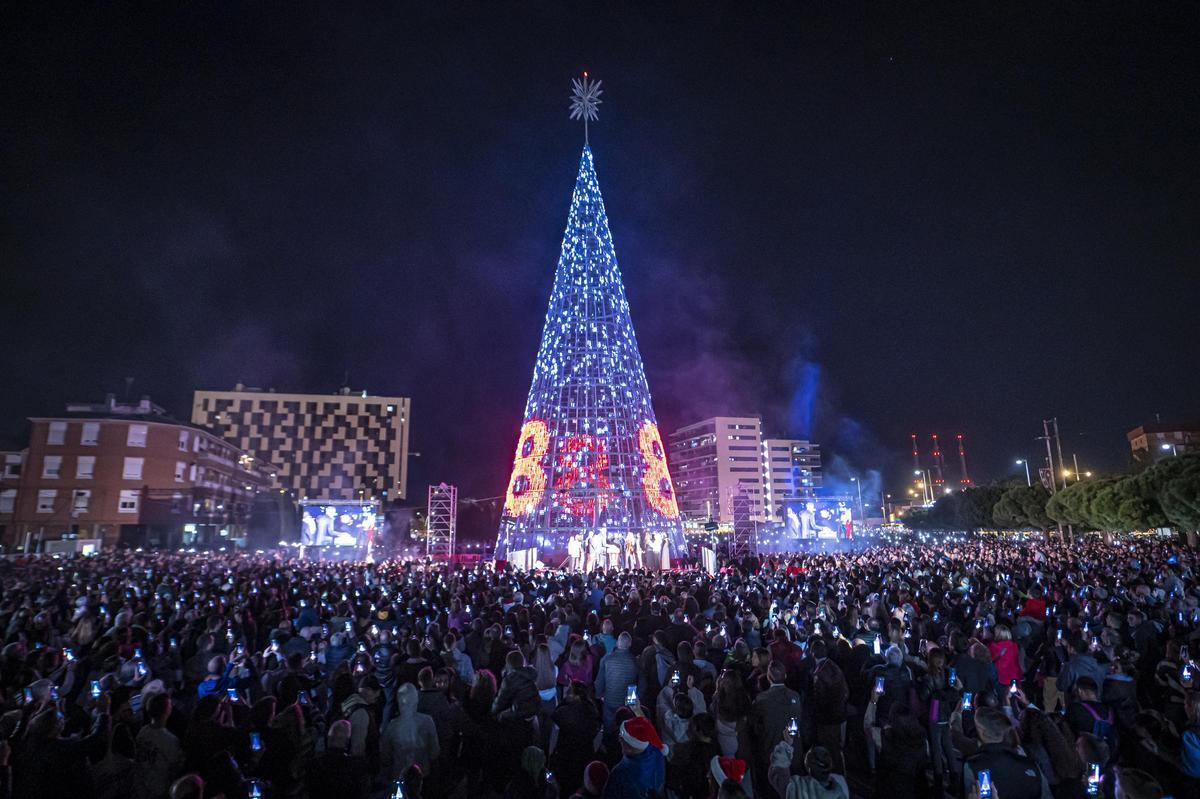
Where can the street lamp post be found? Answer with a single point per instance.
(926, 486)
(1174, 451)
(1025, 463)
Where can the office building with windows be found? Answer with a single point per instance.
(791, 469)
(128, 473)
(11, 462)
(713, 460)
(328, 446)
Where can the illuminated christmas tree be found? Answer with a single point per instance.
(590, 459)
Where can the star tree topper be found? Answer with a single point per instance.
(585, 96)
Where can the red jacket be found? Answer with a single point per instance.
(1034, 608)
(1007, 660)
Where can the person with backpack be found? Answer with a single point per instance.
(1086, 713)
(1013, 775)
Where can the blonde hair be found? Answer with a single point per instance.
(547, 675)
(1003, 633)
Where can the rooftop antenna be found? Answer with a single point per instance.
(965, 480)
(585, 96)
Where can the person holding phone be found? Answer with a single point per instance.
(1012, 775)
(891, 683)
(819, 779)
(618, 670)
(50, 764)
(896, 747)
(938, 688)
(771, 713)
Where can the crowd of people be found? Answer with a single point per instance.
(981, 670)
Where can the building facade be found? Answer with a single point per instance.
(327, 446)
(711, 461)
(128, 473)
(791, 469)
(11, 463)
(1154, 441)
(715, 459)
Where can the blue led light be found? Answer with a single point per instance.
(603, 464)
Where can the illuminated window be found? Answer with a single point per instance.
(45, 500)
(56, 433)
(89, 434)
(85, 467)
(51, 467)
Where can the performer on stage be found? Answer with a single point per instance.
(575, 551)
(652, 553)
(630, 560)
(595, 551)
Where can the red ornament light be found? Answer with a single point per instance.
(581, 462)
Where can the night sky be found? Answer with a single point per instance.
(921, 218)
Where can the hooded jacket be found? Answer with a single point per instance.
(409, 738)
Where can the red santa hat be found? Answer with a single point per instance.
(595, 777)
(639, 733)
(727, 768)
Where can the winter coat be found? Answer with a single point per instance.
(409, 738)
(618, 671)
(1005, 657)
(518, 695)
(639, 776)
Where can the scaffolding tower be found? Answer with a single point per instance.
(442, 522)
(743, 542)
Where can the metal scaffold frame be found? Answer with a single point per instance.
(442, 522)
(743, 542)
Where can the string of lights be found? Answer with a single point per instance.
(590, 457)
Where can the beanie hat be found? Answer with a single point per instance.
(639, 733)
(595, 777)
(727, 768)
